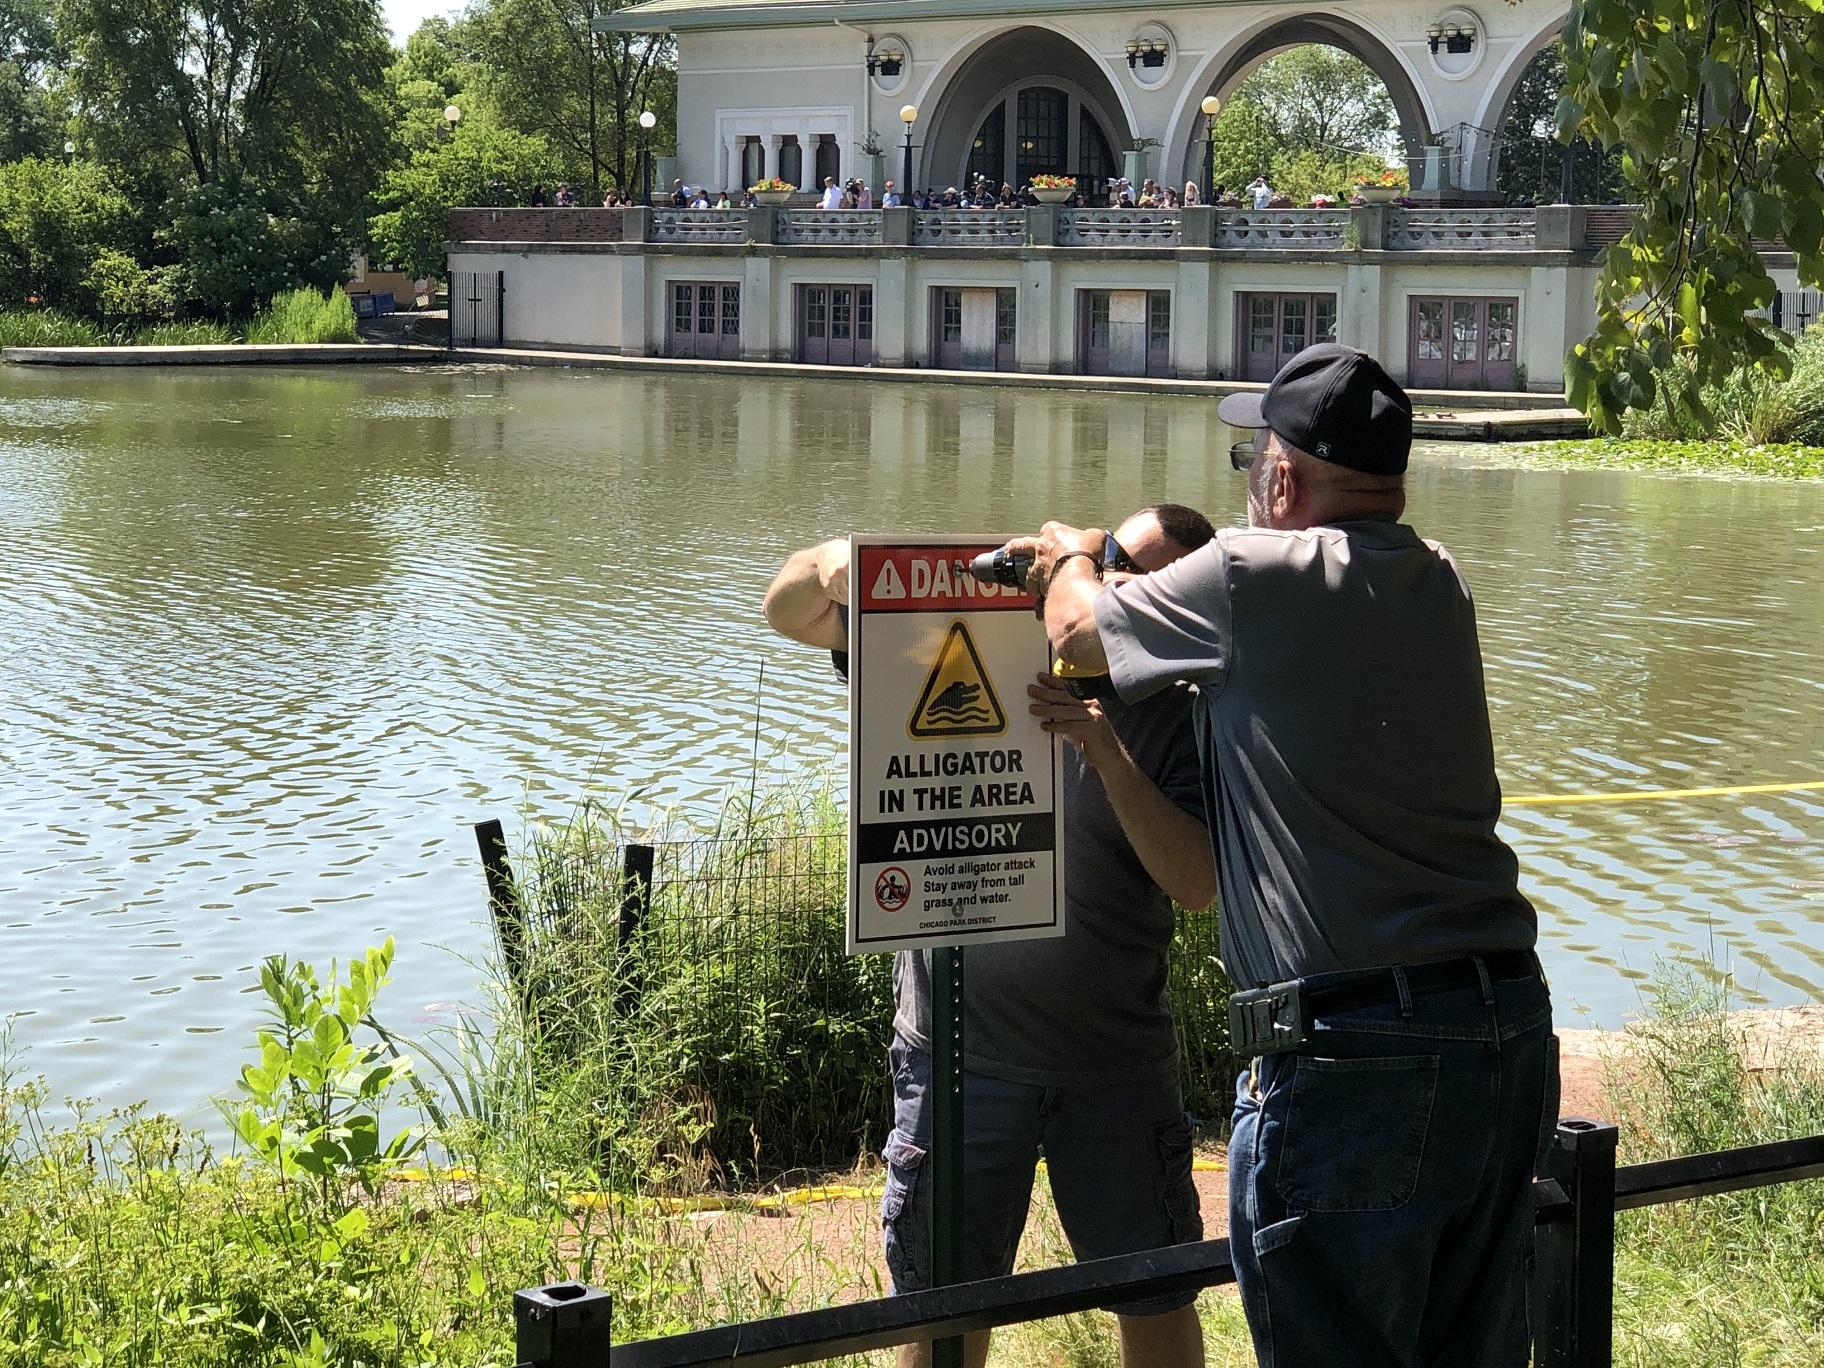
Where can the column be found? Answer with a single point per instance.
(893, 308)
(1036, 347)
(634, 316)
(757, 342)
(1360, 317)
(731, 164)
(1548, 329)
(1193, 316)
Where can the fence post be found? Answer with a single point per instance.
(1574, 1276)
(636, 903)
(561, 1325)
(503, 902)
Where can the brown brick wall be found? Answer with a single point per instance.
(535, 225)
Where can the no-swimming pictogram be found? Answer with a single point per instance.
(958, 698)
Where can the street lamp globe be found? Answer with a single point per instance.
(69, 149)
(451, 114)
(649, 121)
(909, 114)
(1212, 106)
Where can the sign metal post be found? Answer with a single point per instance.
(955, 802)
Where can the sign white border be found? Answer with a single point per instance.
(1021, 726)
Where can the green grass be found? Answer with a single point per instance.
(1681, 457)
(305, 316)
(299, 316)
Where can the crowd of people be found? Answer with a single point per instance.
(980, 193)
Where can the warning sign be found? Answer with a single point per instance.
(959, 698)
(955, 790)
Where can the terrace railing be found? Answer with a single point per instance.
(830, 227)
(1281, 227)
(699, 225)
(1119, 228)
(969, 228)
(566, 1325)
(1460, 230)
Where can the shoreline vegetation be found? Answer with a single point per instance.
(656, 1114)
(295, 316)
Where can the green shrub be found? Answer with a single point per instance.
(299, 316)
(1750, 408)
(55, 220)
(48, 328)
(193, 333)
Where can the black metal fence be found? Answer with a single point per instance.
(730, 948)
(566, 1325)
(478, 308)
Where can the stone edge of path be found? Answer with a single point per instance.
(1491, 417)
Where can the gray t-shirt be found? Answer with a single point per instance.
(1087, 1008)
(1348, 768)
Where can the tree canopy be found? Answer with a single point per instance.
(1718, 110)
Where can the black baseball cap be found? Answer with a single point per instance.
(1335, 403)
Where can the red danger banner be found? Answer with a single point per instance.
(901, 579)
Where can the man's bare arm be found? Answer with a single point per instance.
(801, 602)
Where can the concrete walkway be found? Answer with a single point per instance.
(1442, 415)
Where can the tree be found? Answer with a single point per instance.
(478, 164)
(55, 220)
(1324, 99)
(549, 73)
(1277, 125)
(30, 54)
(1718, 108)
(276, 107)
(1531, 169)
(433, 71)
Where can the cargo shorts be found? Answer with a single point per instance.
(1119, 1160)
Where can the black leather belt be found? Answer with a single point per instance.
(1278, 1017)
(1378, 988)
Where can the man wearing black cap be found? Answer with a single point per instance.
(1405, 1073)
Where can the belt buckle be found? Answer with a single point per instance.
(1267, 1020)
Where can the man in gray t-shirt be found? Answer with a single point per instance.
(1385, 1140)
(1070, 1044)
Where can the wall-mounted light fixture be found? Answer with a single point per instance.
(1146, 52)
(1452, 37)
(888, 62)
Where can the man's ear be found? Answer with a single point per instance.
(1284, 491)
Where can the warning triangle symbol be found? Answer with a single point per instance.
(958, 698)
(888, 584)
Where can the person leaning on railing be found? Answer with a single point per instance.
(1071, 1047)
(1405, 1075)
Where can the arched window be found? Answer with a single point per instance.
(1043, 129)
(988, 157)
(1095, 159)
(791, 163)
(829, 159)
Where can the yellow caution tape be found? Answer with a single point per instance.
(1660, 795)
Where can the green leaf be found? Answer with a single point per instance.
(478, 1285)
(1763, 214)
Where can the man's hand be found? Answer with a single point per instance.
(1079, 721)
(1057, 539)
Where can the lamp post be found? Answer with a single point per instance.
(69, 152)
(648, 121)
(1211, 108)
(451, 115)
(908, 115)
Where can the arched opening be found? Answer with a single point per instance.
(1359, 52)
(1526, 164)
(1027, 102)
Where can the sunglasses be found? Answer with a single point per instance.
(1115, 557)
(1243, 454)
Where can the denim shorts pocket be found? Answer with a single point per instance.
(905, 1233)
(1354, 1132)
(1183, 1209)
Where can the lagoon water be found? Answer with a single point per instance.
(271, 641)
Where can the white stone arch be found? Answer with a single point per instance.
(1233, 61)
(1082, 94)
(1485, 161)
(933, 92)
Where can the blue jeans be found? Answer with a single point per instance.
(1381, 1213)
(1119, 1160)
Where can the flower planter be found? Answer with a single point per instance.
(776, 199)
(1059, 194)
(1379, 194)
